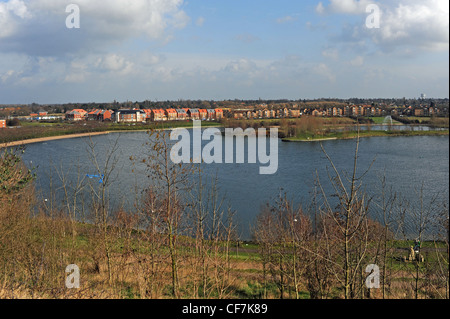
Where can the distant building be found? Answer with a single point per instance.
(148, 115)
(219, 114)
(99, 115)
(171, 114)
(182, 114)
(419, 112)
(159, 115)
(130, 116)
(76, 115)
(2, 124)
(194, 114)
(203, 114)
(211, 114)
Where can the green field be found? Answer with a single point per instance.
(34, 130)
(307, 136)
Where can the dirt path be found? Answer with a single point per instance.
(51, 138)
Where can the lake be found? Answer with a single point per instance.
(406, 162)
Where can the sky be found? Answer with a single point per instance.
(136, 50)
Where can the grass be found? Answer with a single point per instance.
(308, 136)
(246, 277)
(34, 130)
(381, 120)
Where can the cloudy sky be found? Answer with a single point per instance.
(216, 49)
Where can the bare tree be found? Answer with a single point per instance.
(349, 224)
(104, 169)
(169, 182)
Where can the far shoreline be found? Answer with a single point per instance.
(371, 134)
(289, 140)
(51, 138)
(80, 135)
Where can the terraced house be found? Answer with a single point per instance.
(159, 115)
(219, 114)
(171, 114)
(194, 114)
(211, 114)
(182, 115)
(203, 114)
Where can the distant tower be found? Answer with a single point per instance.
(423, 96)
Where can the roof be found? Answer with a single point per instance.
(79, 111)
(95, 112)
(130, 111)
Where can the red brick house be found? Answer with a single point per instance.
(148, 114)
(219, 114)
(193, 114)
(159, 115)
(76, 115)
(211, 114)
(203, 114)
(182, 115)
(171, 114)
(99, 115)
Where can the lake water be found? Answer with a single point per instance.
(407, 162)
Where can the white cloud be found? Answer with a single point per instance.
(415, 23)
(344, 7)
(410, 23)
(37, 27)
(11, 13)
(19, 8)
(320, 9)
(7, 75)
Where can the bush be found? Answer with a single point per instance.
(13, 122)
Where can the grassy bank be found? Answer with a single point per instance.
(141, 266)
(310, 137)
(34, 130)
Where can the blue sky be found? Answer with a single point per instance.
(216, 49)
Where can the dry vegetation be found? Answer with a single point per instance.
(180, 240)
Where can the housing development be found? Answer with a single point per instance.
(162, 112)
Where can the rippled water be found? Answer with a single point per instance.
(407, 162)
